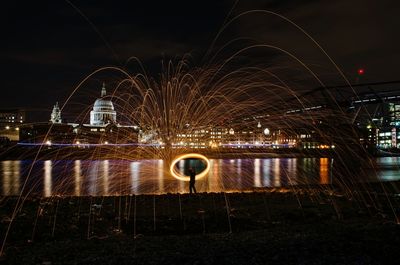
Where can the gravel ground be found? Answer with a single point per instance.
(313, 227)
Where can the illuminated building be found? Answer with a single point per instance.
(11, 117)
(194, 138)
(388, 123)
(217, 135)
(10, 122)
(55, 116)
(103, 111)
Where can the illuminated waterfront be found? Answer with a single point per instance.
(117, 177)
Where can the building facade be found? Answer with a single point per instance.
(103, 112)
(387, 127)
(10, 123)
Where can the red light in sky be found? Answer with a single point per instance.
(361, 71)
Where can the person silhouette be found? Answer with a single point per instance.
(192, 182)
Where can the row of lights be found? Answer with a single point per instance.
(8, 128)
(322, 146)
(49, 143)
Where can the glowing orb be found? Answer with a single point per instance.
(178, 175)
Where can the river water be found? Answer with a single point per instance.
(118, 177)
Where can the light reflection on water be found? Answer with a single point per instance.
(111, 177)
(77, 177)
(47, 178)
(11, 178)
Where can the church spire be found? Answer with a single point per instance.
(55, 116)
(103, 90)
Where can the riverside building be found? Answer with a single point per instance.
(102, 128)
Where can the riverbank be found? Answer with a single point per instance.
(314, 226)
(110, 152)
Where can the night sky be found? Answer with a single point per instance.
(48, 47)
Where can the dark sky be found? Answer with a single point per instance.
(48, 47)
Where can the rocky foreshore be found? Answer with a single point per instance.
(274, 227)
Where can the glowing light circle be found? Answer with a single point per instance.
(178, 175)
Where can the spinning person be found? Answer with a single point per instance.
(192, 182)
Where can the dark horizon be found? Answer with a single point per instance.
(49, 47)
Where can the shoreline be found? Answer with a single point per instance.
(389, 188)
(137, 153)
(105, 152)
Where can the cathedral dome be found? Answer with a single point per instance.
(103, 105)
(103, 111)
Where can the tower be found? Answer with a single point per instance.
(103, 90)
(55, 116)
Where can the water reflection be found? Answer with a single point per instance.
(323, 171)
(239, 172)
(78, 177)
(109, 177)
(105, 174)
(277, 173)
(257, 175)
(11, 177)
(160, 179)
(48, 185)
(266, 169)
(292, 171)
(181, 164)
(135, 171)
(214, 176)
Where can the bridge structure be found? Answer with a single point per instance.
(351, 97)
(344, 99)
